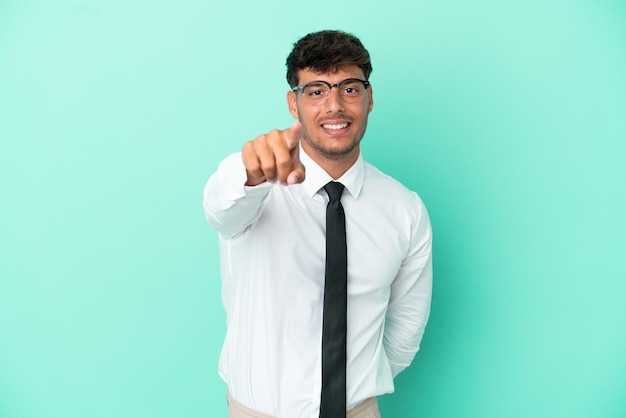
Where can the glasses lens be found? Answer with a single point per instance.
(351, 90)
(316, 92)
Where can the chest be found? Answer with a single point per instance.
(378, 237)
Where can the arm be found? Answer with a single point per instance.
(234, 195)
(229, 205)
(409, 303)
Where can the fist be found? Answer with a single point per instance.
(274, 156)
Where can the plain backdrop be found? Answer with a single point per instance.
(507, 117)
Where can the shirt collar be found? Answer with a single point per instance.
(316, 177)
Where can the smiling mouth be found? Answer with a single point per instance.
(335, 127)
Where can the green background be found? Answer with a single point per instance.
(508, 117)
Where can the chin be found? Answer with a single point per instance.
(336, 153)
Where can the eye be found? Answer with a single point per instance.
(351, 88)
(315, 90)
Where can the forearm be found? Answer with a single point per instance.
(406, 321)
(410, 300)
(229, 205)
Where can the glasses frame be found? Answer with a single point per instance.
(301, 88)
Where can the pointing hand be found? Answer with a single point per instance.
(274, 156)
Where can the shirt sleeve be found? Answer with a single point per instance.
(410, 299)
(229, 205)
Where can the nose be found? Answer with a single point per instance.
(334, 102)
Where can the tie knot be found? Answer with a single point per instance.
(334, 190)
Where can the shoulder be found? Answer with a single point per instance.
(401, 208)
(387, 187)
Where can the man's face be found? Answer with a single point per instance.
(333, 129)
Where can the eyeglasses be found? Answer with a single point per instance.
(351, 90)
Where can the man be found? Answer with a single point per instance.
(270, 206)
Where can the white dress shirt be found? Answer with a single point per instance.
(272, 242)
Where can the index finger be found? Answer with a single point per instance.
(293, 137)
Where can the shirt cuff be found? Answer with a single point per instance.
(236, 188)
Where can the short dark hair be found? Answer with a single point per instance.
(325, 51)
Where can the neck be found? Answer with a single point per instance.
(334, 167)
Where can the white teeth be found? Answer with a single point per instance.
(335, 127)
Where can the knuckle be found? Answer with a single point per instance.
(259, 141)
(247, 147)
(283, 161)
(268, 166)
(273, 135)
(254, 167)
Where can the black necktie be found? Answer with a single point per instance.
(333, 399)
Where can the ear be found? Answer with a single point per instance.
(293, 105)
(371, 94)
